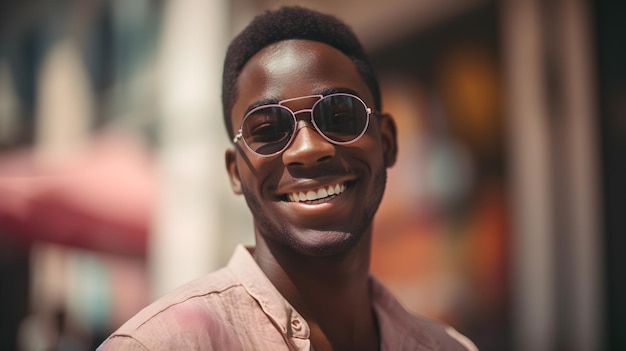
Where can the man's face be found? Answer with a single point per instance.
(356, 171)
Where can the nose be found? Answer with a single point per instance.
(308, 148)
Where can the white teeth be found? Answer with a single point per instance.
(320, 193)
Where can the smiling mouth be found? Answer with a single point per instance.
(315, 195)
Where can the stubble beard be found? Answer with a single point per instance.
(285, 237)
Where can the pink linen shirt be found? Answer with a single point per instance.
(238, 308)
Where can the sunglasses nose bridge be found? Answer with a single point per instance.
(303, 111)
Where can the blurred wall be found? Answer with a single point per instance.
(502, 216)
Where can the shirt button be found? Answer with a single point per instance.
(296, 325)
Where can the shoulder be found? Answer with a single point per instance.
(398, 326)
(211, 286)
(445, 335)
(194, 310)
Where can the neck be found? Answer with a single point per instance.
(332, 293)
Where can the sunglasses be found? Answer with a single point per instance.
(340, 118)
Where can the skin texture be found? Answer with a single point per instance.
(317, 255)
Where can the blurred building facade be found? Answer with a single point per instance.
(503, 216)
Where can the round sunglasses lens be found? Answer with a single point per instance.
(341, 118)
(268, 130)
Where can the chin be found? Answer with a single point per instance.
(324, 243)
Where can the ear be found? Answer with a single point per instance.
(389, 138)
(233, 170)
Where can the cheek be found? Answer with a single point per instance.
(247, 172)
(371, 146)
(258, 173)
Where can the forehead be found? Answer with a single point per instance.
(294, 68)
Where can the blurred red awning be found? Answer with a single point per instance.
(101, 198)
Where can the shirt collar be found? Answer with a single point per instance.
(398, 329)
(256, 283)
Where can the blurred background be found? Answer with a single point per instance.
(504, 216)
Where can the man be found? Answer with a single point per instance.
(310, 154)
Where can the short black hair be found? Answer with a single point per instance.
(286, 23)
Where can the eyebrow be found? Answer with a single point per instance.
(263, 102)
(334, 90)
(323, 92)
